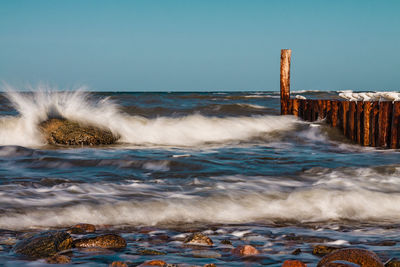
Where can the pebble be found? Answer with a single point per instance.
(245, 250)
(198, 239)
(293, 263)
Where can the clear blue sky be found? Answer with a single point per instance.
(200, 45)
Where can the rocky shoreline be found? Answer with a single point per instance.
(66, 246)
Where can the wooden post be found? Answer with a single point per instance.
(334, 113)
(366, 123)
(344, 114)
(374, 123)
(295, 107)
(394, 142)
(385, 110)
(360, 123)
(285, 80)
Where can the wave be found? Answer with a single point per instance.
(303, 206)
(316, 195)
(80, 106)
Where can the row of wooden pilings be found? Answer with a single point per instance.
(368, 123)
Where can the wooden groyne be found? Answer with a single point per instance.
(368, 123)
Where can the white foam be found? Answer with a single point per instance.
(165, 131)
(303, 206)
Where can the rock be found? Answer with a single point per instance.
(210, 265)
(297, 251)
(118, 264)
(65, 132)
(153, 263)
(145, 251)
(198, 239)
(362, 257)
(293, 263)
(246, 250)
(393, 263)
(226, 242)
(44, 244)
(58, 259)
(341, 264)
(102, 241)
(322, 250)
(82, 228)
(206, 254)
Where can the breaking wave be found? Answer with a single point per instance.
(80, 106)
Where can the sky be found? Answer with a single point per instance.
(204, 45)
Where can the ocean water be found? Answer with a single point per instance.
(222, 163)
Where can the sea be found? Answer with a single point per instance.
(225, 164)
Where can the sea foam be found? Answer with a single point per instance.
(190, 130)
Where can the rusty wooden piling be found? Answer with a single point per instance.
(285, 80)
(366, 123)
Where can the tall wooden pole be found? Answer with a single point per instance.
(285, 80)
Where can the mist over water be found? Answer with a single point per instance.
(225, 160)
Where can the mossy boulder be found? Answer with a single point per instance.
(112, 241)
(43, 245)
(66, 132)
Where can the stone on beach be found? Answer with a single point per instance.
(44, 244)
(102, 241)
(245, 250)
(362, 257)
(293, 263)
(65, 132)
(322, 250)
(198, 239)
(118, 264)
(58, 259)
(393, 263)
(153, 263)
(82, 228)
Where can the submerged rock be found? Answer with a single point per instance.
(82, 228)
(393, 263)
(118, 264)
(322, 250)
(102, 241)
(293, 263)
(153, 263)
(198, 239)
(146, 251)
(362, 257)
(58, 259)
(65, 132)
(44, 245)
(246, 250)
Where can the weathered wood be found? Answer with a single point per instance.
(374, 123)
(289, 106)
(334, 110)
(295, 107)
(394, 142)
(308, 110)
(285, 80)
(351, 121)
(359, 123)
(301, 108)
(314, 110)
(324, 111)
(344, 116)
(366, 123)
(385, 110)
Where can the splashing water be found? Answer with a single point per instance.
(190, 130)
